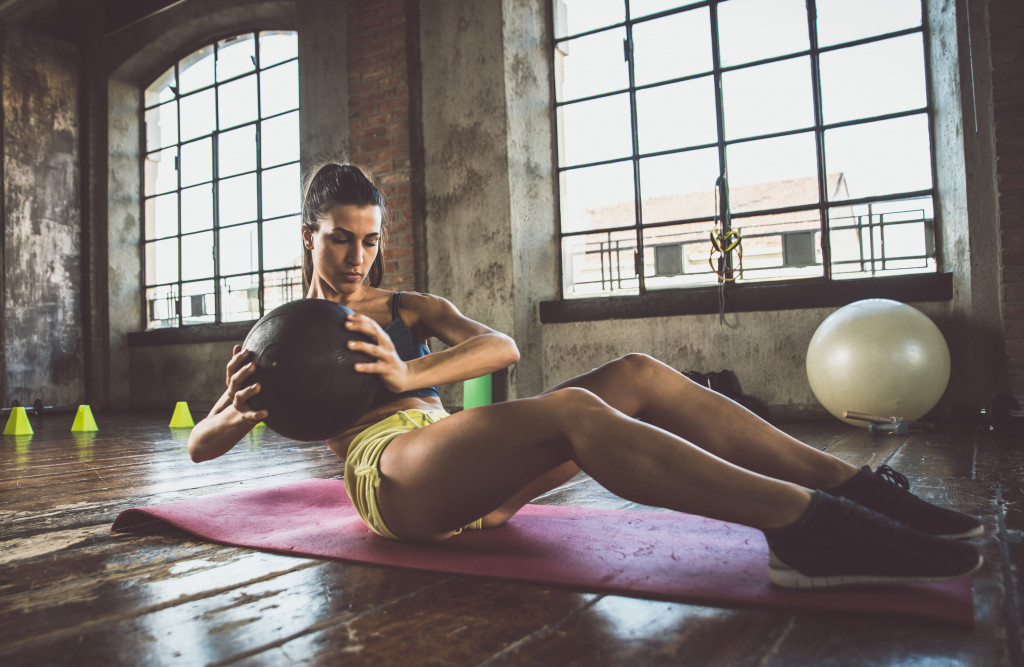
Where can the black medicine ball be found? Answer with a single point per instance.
(304, 368)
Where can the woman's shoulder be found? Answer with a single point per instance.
(417, 307)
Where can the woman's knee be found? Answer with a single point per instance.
(569, 401)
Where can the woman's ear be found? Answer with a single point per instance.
(307, 237)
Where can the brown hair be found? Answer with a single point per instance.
(333, 183)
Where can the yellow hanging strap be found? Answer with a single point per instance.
(722, 244)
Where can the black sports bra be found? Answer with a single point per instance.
(408, 348)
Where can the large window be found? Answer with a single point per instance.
(221, 190)
(741, 140)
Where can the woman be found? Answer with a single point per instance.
(638, 427)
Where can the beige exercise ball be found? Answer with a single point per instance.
(880, 357)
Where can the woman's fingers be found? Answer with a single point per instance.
(241, 402)
(237, 361)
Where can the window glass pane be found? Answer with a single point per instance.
(873, 79)
(196, 162)
(672, 47)
(883, 238)
(599, 264)
(162, 216)
(276, 47)
(235, 56)
(240, 298)
(162, 261)
(279, 140)
(575, 16)
(197, 208)
(772, 173)
(236, 151)
(677, 256)
(239, 249)
(676, 115)
(844, 21)
(236, 102)
(638, 8)
(880, 158)
(279, 89)
(680, 186)
(162, 126)
(598, 197)
(592, 65)
(752, 30)
(161, 172)
(594, 131)
(237, 199)
(161, 89)
(281, 287)
(197, 256)
(282, 243)
(779, 246)
(281, 191)
(196, 70)
(197, 117)
(162, 307)
(768, 98)
(198, 302)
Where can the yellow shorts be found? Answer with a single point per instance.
(362, 464)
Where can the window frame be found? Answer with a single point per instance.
(824, 290)
(220, 328)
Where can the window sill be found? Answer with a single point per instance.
(196, 333)
(783, 295)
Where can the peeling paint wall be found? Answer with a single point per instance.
(42, 221)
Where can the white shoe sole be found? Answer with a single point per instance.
(781, 574)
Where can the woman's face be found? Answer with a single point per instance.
(344, 246)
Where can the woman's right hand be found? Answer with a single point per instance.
(239, 370)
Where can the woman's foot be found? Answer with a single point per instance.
(886, 491)
(838, 542)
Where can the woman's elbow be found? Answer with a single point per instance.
(513, 352)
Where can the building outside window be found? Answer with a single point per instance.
(741, 141)
(221, 183)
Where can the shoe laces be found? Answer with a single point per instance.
(893, 477)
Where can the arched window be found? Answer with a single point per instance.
(221, 183)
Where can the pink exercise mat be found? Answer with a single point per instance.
(655, 555)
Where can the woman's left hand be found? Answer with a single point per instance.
(393, 372)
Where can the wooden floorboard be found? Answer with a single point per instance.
(72, 592)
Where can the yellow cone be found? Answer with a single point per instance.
(18, 424)
(84, 420)
(182, 416)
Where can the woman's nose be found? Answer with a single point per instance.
(355, 254)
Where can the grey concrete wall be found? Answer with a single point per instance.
(165, 374)
(487, 170)
(531, 184)
(966, 179)
(466, 162)
(124, 232)
(323, 81)
(42, 221)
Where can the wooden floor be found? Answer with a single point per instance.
(71, 592)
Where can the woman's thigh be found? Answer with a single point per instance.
(450, 473)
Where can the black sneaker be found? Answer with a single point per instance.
(886, 491)
(837, 542)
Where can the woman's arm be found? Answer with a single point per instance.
(231, 418)
(473, 348)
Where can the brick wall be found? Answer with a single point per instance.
(1006, 25)
(379, 105)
